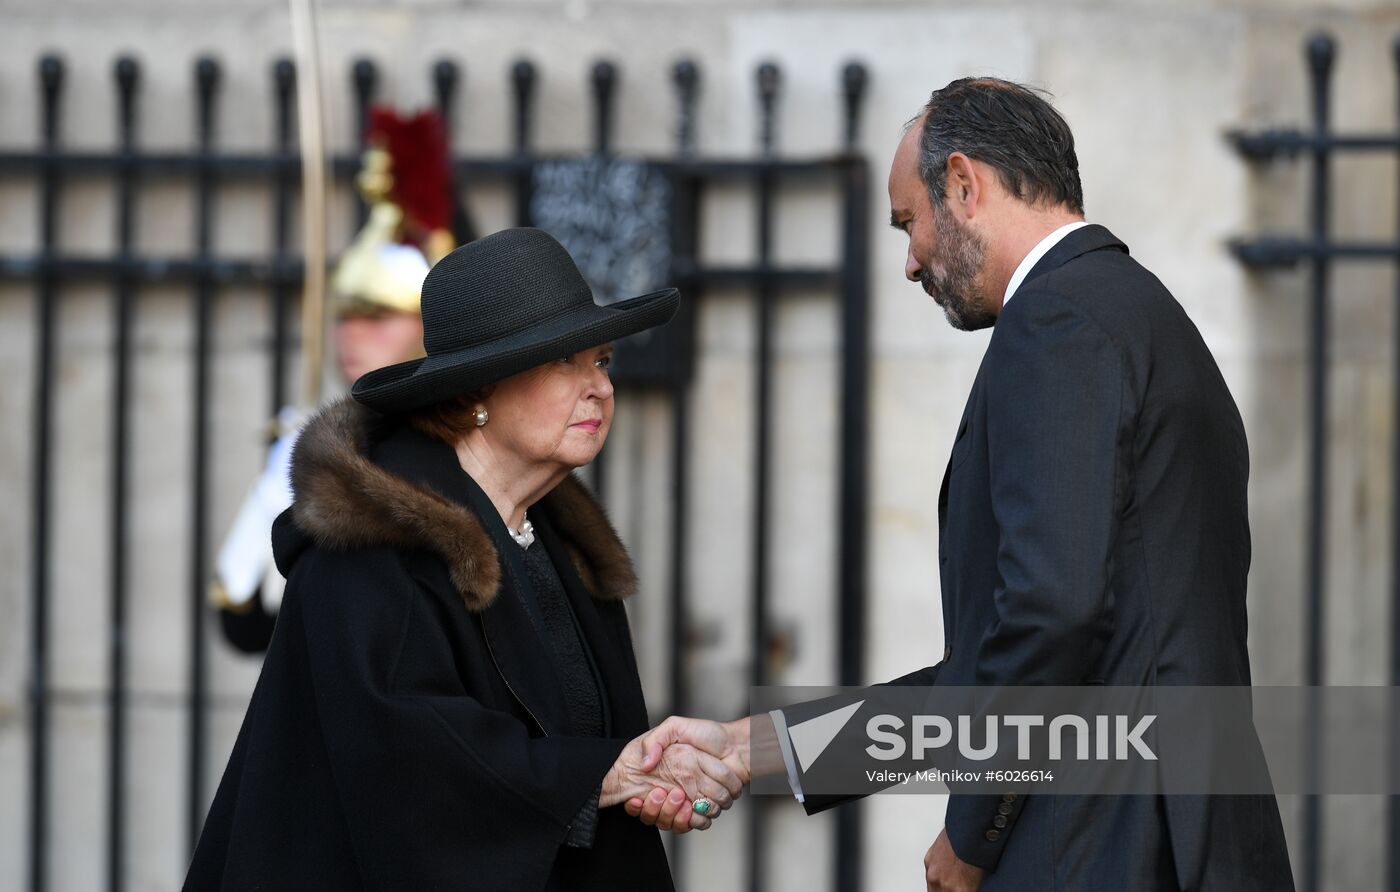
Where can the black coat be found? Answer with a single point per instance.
(408, 730)
(1094, 530)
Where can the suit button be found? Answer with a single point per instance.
(1008, 797)
(1004, 808)
(992, 835)
(999, 821)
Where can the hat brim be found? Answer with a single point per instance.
(421, 382)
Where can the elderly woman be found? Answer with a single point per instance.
(451, 700)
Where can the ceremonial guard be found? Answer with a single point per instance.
(414, 219)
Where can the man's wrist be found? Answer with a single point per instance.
(740, 734)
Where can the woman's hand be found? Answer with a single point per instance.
(727, 742)
(682, 773)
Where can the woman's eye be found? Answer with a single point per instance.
(565, 359)
(604, 362)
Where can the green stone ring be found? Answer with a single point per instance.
(703, 806)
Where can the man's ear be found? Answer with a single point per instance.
(964, 186)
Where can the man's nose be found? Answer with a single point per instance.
(913, 269)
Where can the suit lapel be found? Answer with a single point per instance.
(964, 430)
(963, 427)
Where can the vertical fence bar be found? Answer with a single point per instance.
(51, 71)
(768, 81)
(522, 76)
(1321, 53)
(854, 427)
(127, 75)
(1393, 805)
(604, 80)
(364, 78)
(685, 249)
(283, 82)
(207, 76)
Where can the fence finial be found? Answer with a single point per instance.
(284, 81)
(51, 72)
(284, 74)
(126, 71)
(207, 74)
(686, 76)
(1322, 52)
(522, 75)
(853, 81)
(128, 74)
(365, 77)
(769, 79)
(446, 75)
(604, 77)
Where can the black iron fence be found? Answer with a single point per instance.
(1318, 145)
(205, 272)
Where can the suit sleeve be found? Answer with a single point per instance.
(437, 790)
(814, 803)
(1056, 437)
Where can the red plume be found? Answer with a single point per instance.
(421, 167)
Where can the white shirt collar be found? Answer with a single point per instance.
(1040, 250)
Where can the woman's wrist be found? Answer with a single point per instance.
(617, 787)
(621, 782)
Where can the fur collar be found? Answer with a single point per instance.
(344, 500)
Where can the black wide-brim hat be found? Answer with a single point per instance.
(498, 306)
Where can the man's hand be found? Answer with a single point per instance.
(728, 742)
(945, 872)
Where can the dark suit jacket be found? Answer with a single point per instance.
(1094, 530)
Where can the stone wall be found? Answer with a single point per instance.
(1149, 88)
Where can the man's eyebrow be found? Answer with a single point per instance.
(895, 221)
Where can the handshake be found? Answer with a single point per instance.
(682, 774)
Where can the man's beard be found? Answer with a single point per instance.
(956, 289)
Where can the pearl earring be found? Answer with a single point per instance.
(481, 416)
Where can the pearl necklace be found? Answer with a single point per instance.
(526, 536)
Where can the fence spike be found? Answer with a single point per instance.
(769, 80)
(686, 76)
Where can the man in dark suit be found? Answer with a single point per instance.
(1093, 518)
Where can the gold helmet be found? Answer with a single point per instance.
(407, 182)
